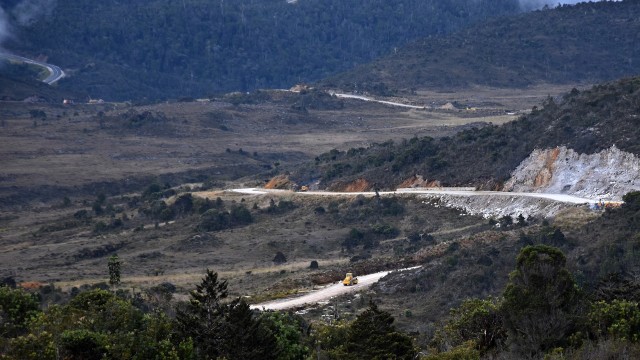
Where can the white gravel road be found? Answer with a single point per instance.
(325, 293)
(555, 197)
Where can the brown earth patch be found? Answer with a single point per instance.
(281, 182)
(31, 285)
(546, 173)
(358, 185)
(419, 181)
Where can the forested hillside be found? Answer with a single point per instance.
(160, 48)
(588, 42)
(587, 122)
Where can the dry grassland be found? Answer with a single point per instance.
(79, 146)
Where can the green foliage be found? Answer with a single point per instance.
(94, 325)
(615, 287)
(114, 269)
(330, 339)
(371, 335)
(223, 331)
(288, 330)
(466, 351)
(245, 336)
(83, 344)
(386, 230)
(539, 301)
(614, 241)
(281, 207)
(184, 204)
(152, 191)
(16, 308)
(475, 323)
(215, 220)
(619, 319)
(202, 318)
(546, 235)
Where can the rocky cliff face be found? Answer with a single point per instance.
(606, 175)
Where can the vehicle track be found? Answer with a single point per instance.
(327, 292)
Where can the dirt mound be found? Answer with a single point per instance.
(281, 182)
(31, 285)
(358, 185)
(608, 174)
(419, 181)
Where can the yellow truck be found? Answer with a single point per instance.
(349, 280)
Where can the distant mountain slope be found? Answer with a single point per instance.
(589, 42)
(161, 48)
(587, 122)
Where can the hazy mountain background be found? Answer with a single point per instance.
(585, 43)
(155, 49)
(158, 48)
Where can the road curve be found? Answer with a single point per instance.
(325, 293)
(55, 72)
(364, 98)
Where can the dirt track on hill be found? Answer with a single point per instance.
(326, 293)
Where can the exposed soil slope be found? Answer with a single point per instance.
(608, 174)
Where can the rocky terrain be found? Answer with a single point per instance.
(606, 175)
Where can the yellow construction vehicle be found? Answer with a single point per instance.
(349, 280)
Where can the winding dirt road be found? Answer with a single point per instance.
(326, 293)
(55, 72)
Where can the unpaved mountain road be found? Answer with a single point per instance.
(364, 98)
(423, 191)
(55, 72)
(326, 293)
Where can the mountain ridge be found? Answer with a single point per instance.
(584, 43)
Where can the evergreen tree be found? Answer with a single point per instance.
(114, 270)
(540, 301)
(373, 336)
(245, 335)
(218, 330)
(203, 317)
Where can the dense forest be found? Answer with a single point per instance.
(589, 43)
(485, 156)
(158, 49)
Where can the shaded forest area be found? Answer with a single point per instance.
(156, 49)
(589, 42)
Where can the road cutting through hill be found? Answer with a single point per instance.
(55, 72)
(327, 292)
(569, 199)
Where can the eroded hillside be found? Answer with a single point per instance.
(608, 175)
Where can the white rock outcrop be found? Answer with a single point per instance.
(606, 175)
